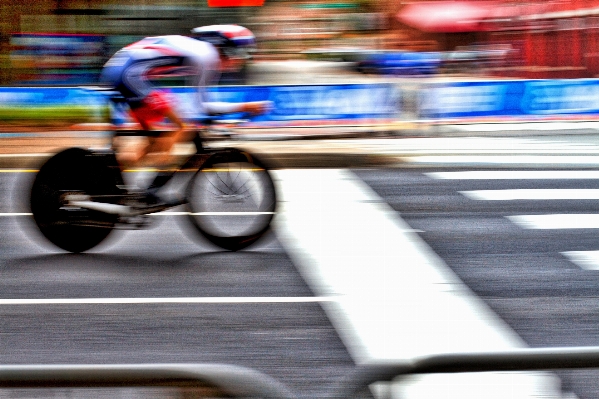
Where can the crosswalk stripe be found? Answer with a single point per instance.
(491, 159)
(532, 194)
(515, 174)
(588, 260)
(556, 221)
(505, 126)
(398, 299)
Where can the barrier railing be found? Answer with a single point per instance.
(516, 360)
(224, 379)
(245, 382)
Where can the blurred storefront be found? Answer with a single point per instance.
(557, 39)
(67, 41)
(546, 39)
(50, 42)
(291, 29)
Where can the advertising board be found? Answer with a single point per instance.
(509, 98)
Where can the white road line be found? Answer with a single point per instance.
(505, 159)
(165, 213)
(588, 260)
(227, 213)
(493, 127)
(557, 221)
(201, 300)
(397, 298)
(532, 194)
(515, 174)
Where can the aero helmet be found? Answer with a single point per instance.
(233, 40)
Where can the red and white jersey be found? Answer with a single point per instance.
(132, 68)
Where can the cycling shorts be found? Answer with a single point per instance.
(153, 108)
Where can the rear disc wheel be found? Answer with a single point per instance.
(72, 171)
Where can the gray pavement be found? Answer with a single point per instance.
(347, 146)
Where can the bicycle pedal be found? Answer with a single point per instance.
(136, 222)
(128, 188)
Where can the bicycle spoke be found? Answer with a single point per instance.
(232, 203)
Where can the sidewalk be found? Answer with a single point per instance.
(336, 146)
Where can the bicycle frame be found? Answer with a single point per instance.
(193, 162)
(79, 196)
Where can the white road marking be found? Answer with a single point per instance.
(557, 221)
(201, 300)
(166, 213)
(211, 213)
(230, 213)
(532, 194)
(505, 159)
(515, 174)
(519, 126)
(397, 298)
(588, 260)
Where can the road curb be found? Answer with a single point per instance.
(272, 160)
(23, 161)
(282, 148)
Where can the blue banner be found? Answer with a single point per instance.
(54, 106)
(49, 96)
(289, 103)
(561, 97)
(351, 102)
(312, 102)
(510, 98)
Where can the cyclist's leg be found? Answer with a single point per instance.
(158, 106)
(130, 151)
(154, 109)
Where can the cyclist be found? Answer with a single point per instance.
(200, 57)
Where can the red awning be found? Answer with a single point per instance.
(510, 11)
(235, 3)
(445, 16)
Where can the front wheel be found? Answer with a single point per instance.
(232, 199)
(72, 171)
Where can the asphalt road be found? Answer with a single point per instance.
(524, 274)
(521, 274)
(291, 341)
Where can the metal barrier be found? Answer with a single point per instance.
(245, 382)
(516, 360)
(232, 380)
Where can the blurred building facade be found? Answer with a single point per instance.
(546, 39)
(552, 39)
(67, 41)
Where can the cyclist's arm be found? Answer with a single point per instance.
(254, 108)
(208, 74)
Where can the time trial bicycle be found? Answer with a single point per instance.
(79, 196)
